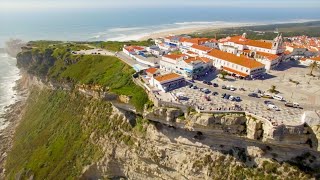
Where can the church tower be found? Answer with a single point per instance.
(277, 42)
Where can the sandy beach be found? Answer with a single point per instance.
(189, 30)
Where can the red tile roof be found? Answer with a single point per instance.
(196, 41)
(240, 60)
(201, 48)
(235, 72)
(315, 58)
(167, 77)
(248, 42)
(174, 56)
(132, 48)
(269, 56)
(203, 59)
(152, 70)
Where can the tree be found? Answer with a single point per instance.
(313, 66)
(273, 89)
(223, 74)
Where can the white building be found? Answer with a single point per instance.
(185, 65)
(141, 55)
(309, 61)
(167, 82)
(238, 65)
(269, 60)
(241, 43)
(200, 50)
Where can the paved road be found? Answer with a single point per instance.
(125, 58)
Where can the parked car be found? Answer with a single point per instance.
(215, 85)
(223, 95)
(278, 97)
(267, 96)
(232, 88)
(253, 95)
(238, 99)
(209, 83)
(268, 102)
(232, 98)
(224, 87)
(190, 85)
(273, 107)
(294, 105)
(195, 87)
(215, 93)
(227, 96)
(205, 90)
(204, 82)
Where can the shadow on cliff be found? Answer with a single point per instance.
(307, 162)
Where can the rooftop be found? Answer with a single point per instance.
(167, 77)
(152, 70)
(249, 42)
(201, 48)
(240, 60)
(202, 59)
(174, 56)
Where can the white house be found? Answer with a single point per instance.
(308, 61)
(200, 50)
(167, 82)
(185, 65)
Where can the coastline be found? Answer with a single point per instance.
(190, 30)
(12, 116)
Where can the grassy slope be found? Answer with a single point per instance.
(50, 141)
(106, 71)
(53, 139)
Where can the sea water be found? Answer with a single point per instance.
(9, 74)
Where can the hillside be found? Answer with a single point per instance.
(55, 62)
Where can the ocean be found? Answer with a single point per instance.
(121, 24)
(9, 74)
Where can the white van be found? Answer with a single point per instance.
(273, 107)
(278, 97)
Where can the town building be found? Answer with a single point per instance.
(167, 82)
(185, 65)
(241, 43)
(238, 65)
(200, 50)
(309, 61)
(151, 72)
(141, 55)
(269, 60)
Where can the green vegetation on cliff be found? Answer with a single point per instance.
(57, 135)
(55, 61)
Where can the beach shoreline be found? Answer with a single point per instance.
(12, 116)
(191, 30)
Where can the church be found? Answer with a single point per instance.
(268, 53)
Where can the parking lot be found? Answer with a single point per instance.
(210, 102)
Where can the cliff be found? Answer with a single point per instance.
(75, 126)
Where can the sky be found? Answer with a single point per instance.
(11, 5)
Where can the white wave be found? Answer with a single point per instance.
(124, 29)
